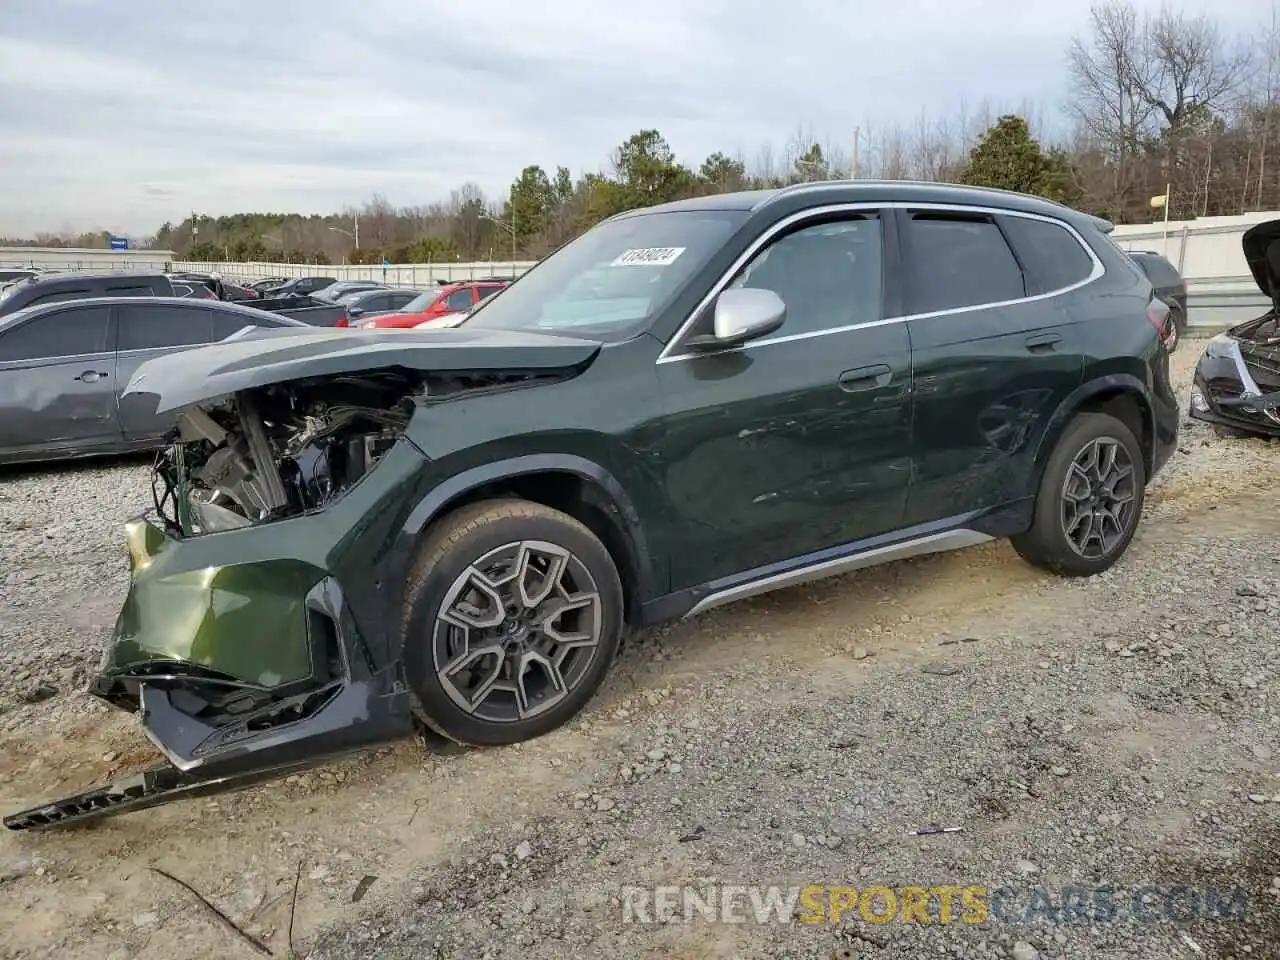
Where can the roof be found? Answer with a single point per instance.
(873, 191)
(222, 306)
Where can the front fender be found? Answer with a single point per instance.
(614, 500)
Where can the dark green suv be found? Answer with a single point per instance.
(687, 405)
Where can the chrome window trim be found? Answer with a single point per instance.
(669, 354)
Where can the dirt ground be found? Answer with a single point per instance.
(404, 815)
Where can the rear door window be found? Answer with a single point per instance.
(955, 261)
(486, 292)
(1051, 256)
(459, 299)
(151, 326)
(64, 333)
(225, 324)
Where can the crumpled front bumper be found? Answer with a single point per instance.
(1226, 393)
(240, 672)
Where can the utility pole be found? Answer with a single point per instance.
(356, 234)
(857, 142)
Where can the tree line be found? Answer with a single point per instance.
(1156, 100)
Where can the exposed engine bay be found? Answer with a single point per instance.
(290, 448)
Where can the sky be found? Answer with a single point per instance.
(120, 116)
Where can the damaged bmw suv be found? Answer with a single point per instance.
(687, 405)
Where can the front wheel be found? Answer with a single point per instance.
(512, 617)
(1089, 501)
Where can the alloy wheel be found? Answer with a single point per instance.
(517, 631)
(1098, 498)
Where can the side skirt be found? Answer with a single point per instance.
(954, 533)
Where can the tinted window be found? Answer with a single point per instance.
(225, 324)
(828, 275)
(62, 334)
(129, 291)
(459, 299)
(60, 297)
(147, 327)
(1051, 257)
(957, 261)
(488, 291)
(397, 300)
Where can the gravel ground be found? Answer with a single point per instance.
(1120, 731)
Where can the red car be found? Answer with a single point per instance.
(448, 300)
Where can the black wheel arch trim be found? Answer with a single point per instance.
(1078, 398)
(617, 507)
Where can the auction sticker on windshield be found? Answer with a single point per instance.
(648, 257)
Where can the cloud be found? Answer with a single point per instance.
(123, 116)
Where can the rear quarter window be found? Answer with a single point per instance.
(1052, 258)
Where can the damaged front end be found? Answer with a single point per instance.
(236, 642)
(1237, 380)
(260, 633)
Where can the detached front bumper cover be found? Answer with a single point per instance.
(1250, 410)
(353, 709)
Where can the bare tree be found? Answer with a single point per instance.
(1108, 76)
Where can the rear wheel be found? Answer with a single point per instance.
(1090, 499)
(1177, 328)
(512, 617)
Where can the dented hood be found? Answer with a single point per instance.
(1262, 250)
(192, 376)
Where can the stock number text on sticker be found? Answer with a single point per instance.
(648, 257)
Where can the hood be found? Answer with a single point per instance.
(205, 373)
(1262, 251)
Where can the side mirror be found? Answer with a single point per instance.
(741, 315)
(354, 312)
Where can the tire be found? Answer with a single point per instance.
(562, 657)
(1047, 544)
(1179, 318)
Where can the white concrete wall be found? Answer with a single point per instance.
(1207, 251)
(86, 260)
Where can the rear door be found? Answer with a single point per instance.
(150, 329)
(57, 385)
(994, 352)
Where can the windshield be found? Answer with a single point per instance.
(611, 281)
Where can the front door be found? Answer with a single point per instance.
(801, 440)
(994, 354)
(57, 384)
(152, 329)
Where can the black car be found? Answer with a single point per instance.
(334, 291)
(299, 286)
(78, 286)
(267, 282)
(1237, 381)
(1170, 287)
(383, 300)
(685, 406)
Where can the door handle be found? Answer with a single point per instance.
(1043, 342)
(92, 376)
(865, 378)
